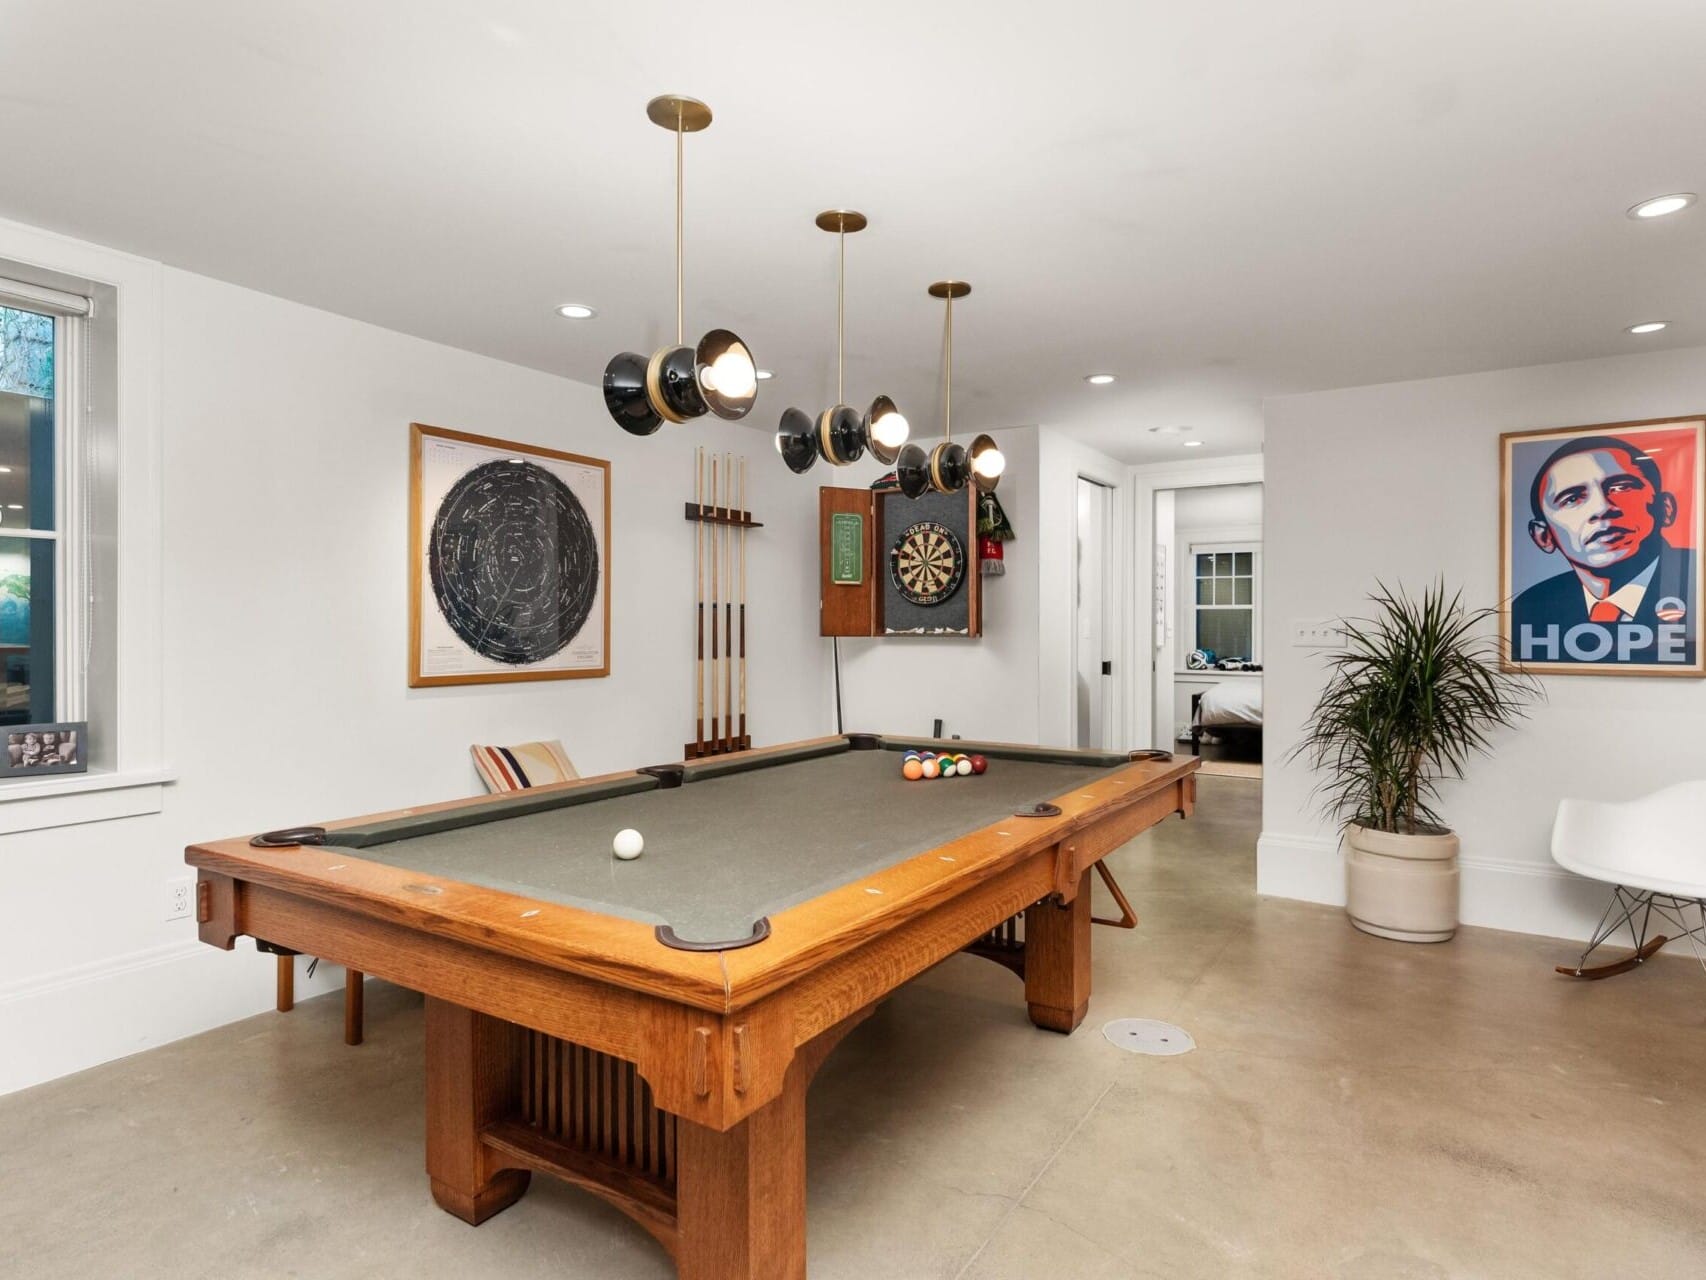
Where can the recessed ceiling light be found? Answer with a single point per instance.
(1648, 326)
(576, 311)
(1169, 430)
(764, 375)
(1659, 206)
(14, 506)
(5, 471)
(1099, 379)
(1191, 444)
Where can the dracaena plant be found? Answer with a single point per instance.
(1415, 692)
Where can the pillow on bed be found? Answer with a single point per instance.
(530, 764)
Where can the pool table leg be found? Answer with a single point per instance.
(1057, 959)
(473, 1078)
(741, 1195)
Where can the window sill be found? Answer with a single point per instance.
(1218, 675)
(34, 804)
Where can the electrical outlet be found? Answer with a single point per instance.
(180, 894)
(1315, 633)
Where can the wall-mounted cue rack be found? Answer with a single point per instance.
(720, 521)
(890, 565)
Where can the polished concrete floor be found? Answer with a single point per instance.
(1355, 1108)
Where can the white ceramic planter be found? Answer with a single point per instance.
(1401, 886)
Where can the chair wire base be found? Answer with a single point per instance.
(1634, 909)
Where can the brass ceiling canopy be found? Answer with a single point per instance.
(949, 289)
(678, 114)
(840, 434)
(718, 375)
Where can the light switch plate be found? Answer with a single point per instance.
(1316, 633)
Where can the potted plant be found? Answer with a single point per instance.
(1416, 691)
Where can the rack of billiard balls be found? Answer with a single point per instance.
(915, 765)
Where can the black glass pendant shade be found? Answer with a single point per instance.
(885, 423)
(672, 384)
(949, 469)
(796, 440)
(625, 394)
(728, 375)
(912, 470)
(840, 435)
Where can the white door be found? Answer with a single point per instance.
(1092, 647)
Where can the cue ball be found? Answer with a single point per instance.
(978, 764)
(628, 844)
(963, 766)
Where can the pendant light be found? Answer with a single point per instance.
(947, 467)
(840, 435)
(680, 382)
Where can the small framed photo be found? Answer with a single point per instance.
(33, 749)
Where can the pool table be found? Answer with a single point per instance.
(646, 1030)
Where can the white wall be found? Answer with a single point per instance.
(286, 463)
(983, 688)
(1401, 483)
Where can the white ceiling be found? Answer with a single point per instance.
(1216, 200)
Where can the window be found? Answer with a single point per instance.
(80, 370)
(1228, 598)
(29, 540)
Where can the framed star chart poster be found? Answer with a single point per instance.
(1601, 548)
(509, 561)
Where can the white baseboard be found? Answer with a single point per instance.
(1521, 897)
(70, 1020)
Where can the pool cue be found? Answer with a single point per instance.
(745, 516)
(699, 598)
(716, 720)
(729, 610)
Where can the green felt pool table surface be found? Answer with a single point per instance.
(735, 841)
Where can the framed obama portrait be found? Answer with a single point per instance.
(1601, 531)
(509, 561)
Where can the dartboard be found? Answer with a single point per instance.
(927, 562)
(513, 561)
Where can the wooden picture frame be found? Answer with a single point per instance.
(1631, 503)
(465, 623)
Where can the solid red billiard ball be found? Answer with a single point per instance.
(978, 764)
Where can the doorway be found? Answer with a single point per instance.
(1093, 621)
(1207, 590)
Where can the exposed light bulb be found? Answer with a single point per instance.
(891, 430)
(730, 374)
(989, 464)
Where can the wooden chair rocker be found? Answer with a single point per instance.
(1652, 851)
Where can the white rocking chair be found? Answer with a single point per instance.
(1652, 851)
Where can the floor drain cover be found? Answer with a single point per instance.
(1146, 1035)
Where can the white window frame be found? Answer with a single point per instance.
(1255, 605)
(113, 442)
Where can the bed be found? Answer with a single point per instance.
(1231, 710)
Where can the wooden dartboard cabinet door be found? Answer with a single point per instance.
(858, 608)
(847, 608)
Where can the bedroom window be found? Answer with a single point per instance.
(1225, 615)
